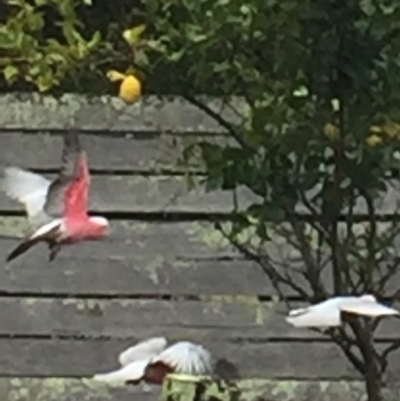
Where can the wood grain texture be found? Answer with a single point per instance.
(67, 389)
(132, 277)
(213, 318)
(155, 194)
(146, 153)
(63, 389)
(151, 113)
(152, 258)
(76, 358)
(194, 239)
(171, 194)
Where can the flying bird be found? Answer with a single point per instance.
(151, 360)
(57, 210)
(330, 313)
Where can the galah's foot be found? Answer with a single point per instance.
(53, 252)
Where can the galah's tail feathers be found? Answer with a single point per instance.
(143, 350)
(49, 233)
(30, 190)
(132, 372)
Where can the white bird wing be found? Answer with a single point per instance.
(29, 189)
(323, 314)
(131, 372)
(187, 358)
(142, 350)
(365, 307)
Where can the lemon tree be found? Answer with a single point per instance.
(317, 135)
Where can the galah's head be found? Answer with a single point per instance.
(99, 226)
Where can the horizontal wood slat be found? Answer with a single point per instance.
(64, 389)
(215, 318)
(130, 277)
(192, 239)
(68, 389)
(151, 258)
(171, 194)
(151, 113)
(128, 153)
(75, 358)
(156, 194)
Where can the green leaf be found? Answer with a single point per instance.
(10, 73)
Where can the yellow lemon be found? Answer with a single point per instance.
(130, 89)
(373, 140)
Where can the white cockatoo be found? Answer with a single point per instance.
(151, 360)
(329, 313)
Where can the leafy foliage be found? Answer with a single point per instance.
(42, 61)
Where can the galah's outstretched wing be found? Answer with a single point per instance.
(132, 372)
(143, 350)
(30, 190)
(185, 357)
(68, 193)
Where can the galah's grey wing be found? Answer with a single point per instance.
(54, 205)
(30, 190)
(143, 350)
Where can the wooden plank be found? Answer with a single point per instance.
(151, 258)
(66, 389)
(182, 240)
(171, 194)
(168, 194)
(132, 277)
(127, 152)
(151, 113)
(155, 194)
(69, 389)
(75, 358)
(214, 318)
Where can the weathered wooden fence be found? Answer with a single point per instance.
(163, 271)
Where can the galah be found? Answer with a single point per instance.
(330, 313)
(57, 210)
(151, 360)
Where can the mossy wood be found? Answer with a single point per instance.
(79, 357)
(70, 389)
(223, 318)
(132, 152)
(178, 387)
(150, 114)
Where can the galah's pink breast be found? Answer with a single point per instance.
(80, 229)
